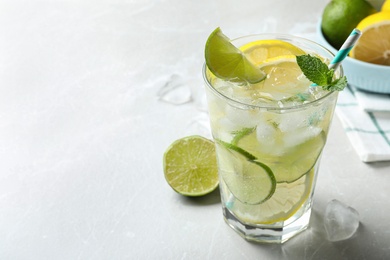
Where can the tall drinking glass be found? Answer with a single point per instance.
(269, 146)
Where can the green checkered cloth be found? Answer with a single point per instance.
(371, 102)
(367, 123)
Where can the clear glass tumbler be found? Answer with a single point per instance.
(268, 156)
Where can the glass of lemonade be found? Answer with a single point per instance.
(269, 138)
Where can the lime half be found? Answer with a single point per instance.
(227, 62)
(190, 166)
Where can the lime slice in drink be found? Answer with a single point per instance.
(227, 62)
(190, 166)
(296, 161)
(250, 181)
(284, 203)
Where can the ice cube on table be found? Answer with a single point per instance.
(175, 91)
(341, 221)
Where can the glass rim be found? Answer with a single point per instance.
(264, 106)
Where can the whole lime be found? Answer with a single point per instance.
(340, 17)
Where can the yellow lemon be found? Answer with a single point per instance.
(261, 50)
(284, 78)
(374, 44)
(386, 6)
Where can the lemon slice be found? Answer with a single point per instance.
(297, 160)
(386, 6)
(284, 77)
(227, 62)
(261, 50)
(250, 181)
(284, 203)
(190, 166)
(374, 44)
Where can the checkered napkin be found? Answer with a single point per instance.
(366, 120)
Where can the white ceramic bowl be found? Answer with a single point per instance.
(363, 75)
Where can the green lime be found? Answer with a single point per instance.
(340, 17)
(249, 180)
(190, 166)
(227, 62)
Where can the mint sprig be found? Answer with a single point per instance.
(319, 73)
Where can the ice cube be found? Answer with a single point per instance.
(175, 91)
(317, 92)
(266, 130)
(341, 221)
(268, 134)
(299, 136)
(291, 121)
(296, 100)
(225, 124)
(242, 117)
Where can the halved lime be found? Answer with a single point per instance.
(227, 62)
(190, 166)
(249, 180)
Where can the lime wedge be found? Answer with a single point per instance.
(190, 166)
(227, 62)
(250, 181)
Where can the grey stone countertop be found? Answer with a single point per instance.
(92, 94)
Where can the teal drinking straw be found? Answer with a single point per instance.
(345, 48)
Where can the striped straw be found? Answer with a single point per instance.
(345, 49)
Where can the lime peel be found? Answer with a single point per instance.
(228, 62)
(247, 184)
(297, 162)
(279, 208)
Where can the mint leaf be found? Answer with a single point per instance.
(330, 75)
(337, 85)
(319, 73)
(314, 69)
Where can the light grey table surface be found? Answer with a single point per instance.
(83, 131)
